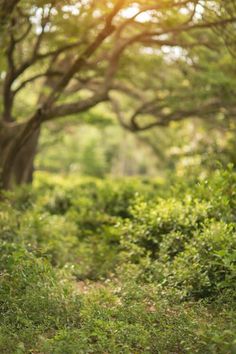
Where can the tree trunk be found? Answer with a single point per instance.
(22, 167)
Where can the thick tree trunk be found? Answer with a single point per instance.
(24, 164)
(21, 168)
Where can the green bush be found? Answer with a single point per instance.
(187, 241)
(208, 263)
(129, 318)
(34, 300)
(162, 262)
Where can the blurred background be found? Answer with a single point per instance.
(103, 148)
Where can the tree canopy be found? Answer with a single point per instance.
(151, 62)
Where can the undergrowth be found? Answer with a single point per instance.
(164, 258)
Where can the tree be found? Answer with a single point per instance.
(62, 58)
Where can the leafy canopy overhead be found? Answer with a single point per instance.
(167, 60)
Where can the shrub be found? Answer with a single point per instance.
(131, 318)
(186, 242)
(34, 300)
(208, 263)
(164, 261)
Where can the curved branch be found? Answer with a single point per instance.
(159, 118)
(88, 52)
(64, 110)
(36, 77)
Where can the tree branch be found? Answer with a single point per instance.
(88, 52)
(159, 118)
(75, 107)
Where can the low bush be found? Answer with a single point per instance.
(187, 242)
(34, 300)
(162, 261)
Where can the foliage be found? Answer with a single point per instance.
(188, 241)
(99, 263)
(156, 263)
(34, 299)
(144, 63)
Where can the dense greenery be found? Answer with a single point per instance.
(119, 266)
(116, 237)
(147, 63)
